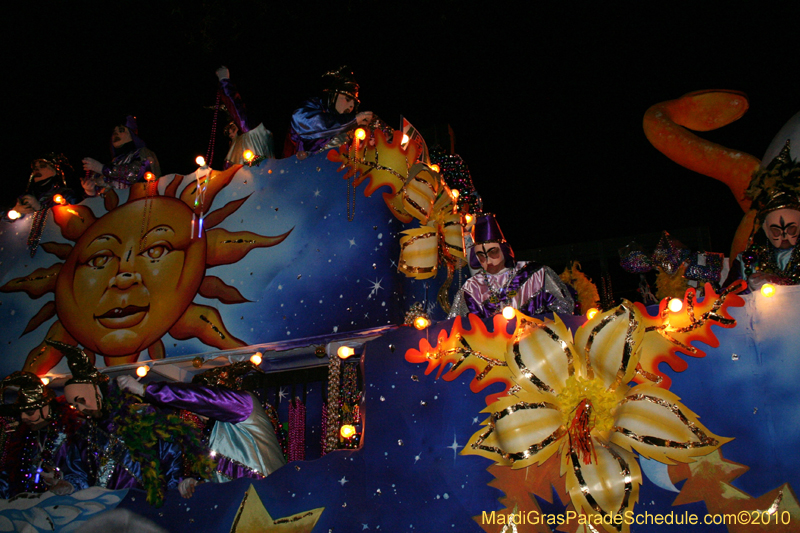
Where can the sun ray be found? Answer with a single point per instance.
(44, 357)
(73, 220)
(40, 282)
(214, 218)
(213, 287)
(45, 313)
(172, 187)
(213, 183)
(225, 247)
(60, 250)
(204, 322)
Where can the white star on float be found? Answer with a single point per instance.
(316, 193)
(393, 263)
(475, 420)
(282, 394)
(364, 526)
(455, 446)
(376, 285)
(416, 457)
(352, 242)
(280, 287)
(343, 481)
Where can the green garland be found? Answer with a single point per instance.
(140, 426)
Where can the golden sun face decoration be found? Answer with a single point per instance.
(133, 273)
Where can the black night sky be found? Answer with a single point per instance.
(546, 102)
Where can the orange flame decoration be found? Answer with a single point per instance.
(669, 333)
(416, 192)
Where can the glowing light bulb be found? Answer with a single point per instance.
(14, 215)
(256, 358)
(675, 305)
(45, 381)
(591, 313)
(421, 322)
(200, 160)
(345, 351)
(435, 167)
(508, 312)
(248, 155)
(467, 218)
(768, 290)
(142, 371)
(347, 431)
(361, 134)
(456, 193)
(59, 199)
(405, 139)
(149, 176)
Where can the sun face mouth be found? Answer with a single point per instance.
(123, 317)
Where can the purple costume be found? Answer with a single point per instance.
(530, 287)
(243, 438)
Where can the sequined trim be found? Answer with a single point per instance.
(704, 440)
(533, 448)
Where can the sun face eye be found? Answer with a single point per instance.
(157, 251)
(100, 259)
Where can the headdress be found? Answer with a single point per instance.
(60, 164)
(487, 230)
(340, 81)
(226, 376)
(83, 371)
(775, 187)
(130, 123)
(33, 394)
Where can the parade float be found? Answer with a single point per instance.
(515, 423)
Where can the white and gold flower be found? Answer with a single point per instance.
(573, 398)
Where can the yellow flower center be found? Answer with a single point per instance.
(589, 395)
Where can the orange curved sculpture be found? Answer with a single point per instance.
(667, 126)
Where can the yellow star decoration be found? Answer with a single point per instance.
(253, 517)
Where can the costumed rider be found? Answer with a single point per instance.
(132, 160)
(128, 444)
(38, 457)
(775, 192)
(240, 130)
(501, 281)
(324, 123)
(242, 438)
(48, 178)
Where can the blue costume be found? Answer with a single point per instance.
(316, 127)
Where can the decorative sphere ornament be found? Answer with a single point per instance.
(14, 215)
(248, 155)
(347, 431)
(142, 371)
(591, 313)
(675, 305)
(256, 358)
(360, 134)
(508, 312)
(345, 351)
(200, 160)
(197, 362)
(149, 176)
(421, 322)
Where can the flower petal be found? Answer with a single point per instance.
(519, 432)
(608, 345)
(605, 488)
(652, 421)
(542, 356)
